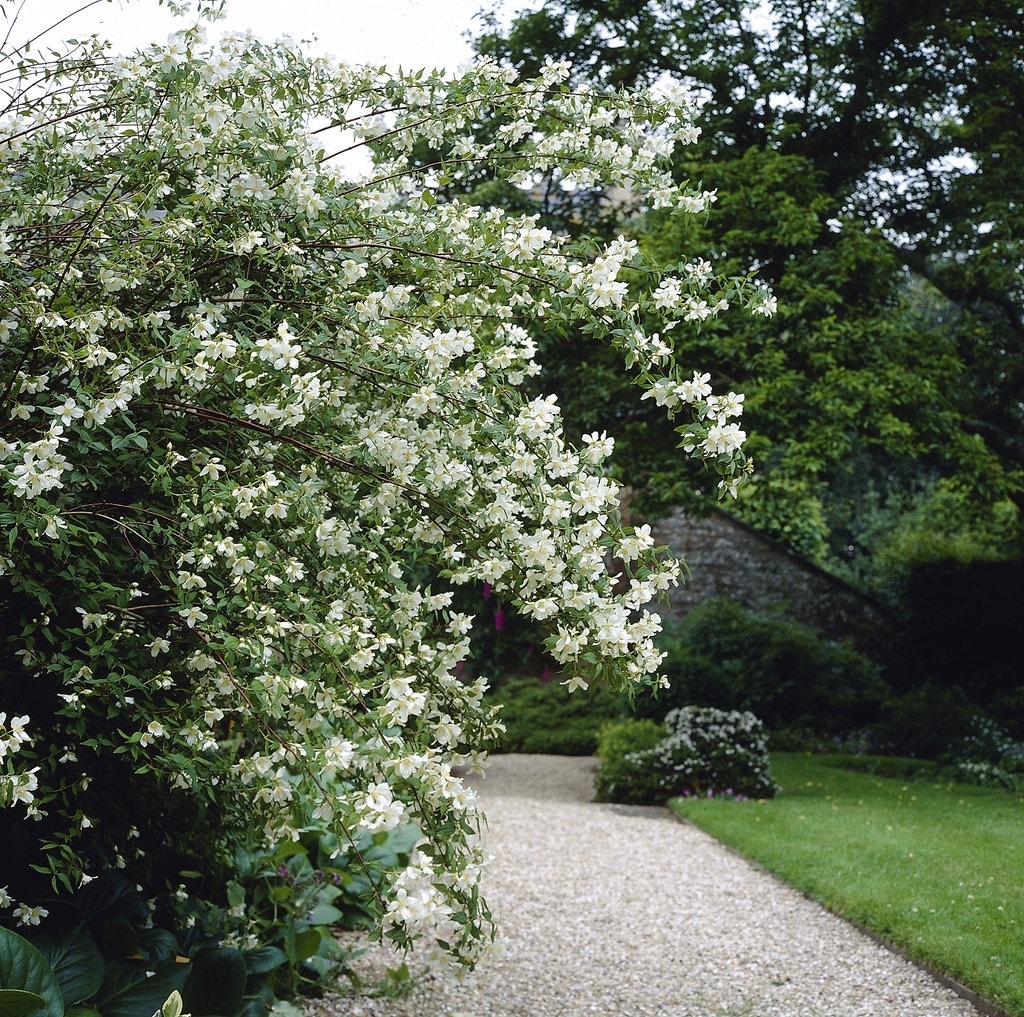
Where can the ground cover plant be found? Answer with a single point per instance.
(932, 865)
(263, 419)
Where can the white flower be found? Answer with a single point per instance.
(193, 615)
(721, 440)
(27, 915)
(92, 619)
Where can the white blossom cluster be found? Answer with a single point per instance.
(705, 750)
(24, 914)
(260, 420)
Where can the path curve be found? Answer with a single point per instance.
(613, 911)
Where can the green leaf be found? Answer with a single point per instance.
(306, 944)
(76, 963)
(128, 991)
(172, 1005)
(263, 960)
(325, 914)
(159, 945)
(253, 1008)
(111, 896)
(19, 1002)
(216, 983)
(23, 967)
(236, 893)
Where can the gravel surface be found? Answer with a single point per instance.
(626, 912)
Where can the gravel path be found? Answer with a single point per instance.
(622, 912)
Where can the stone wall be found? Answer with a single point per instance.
(726, 558)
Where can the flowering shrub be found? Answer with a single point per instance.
(708, 752)
(261, 418)
(986, 756)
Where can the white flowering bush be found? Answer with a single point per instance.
(987, 755)
(697, 751)
(261, 417)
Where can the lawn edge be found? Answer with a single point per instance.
(984, 1006)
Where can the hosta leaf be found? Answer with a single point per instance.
(129, 991)
(20, 1002)
(23, 967)
(77, 964)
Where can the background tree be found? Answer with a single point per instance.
(862, 154)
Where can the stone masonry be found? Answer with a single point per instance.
(727, 558)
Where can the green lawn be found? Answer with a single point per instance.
(936, 868)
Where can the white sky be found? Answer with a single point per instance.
(407, 33)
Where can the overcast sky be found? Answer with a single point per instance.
(410, 33)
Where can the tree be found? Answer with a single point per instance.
(866, 183)
(264, 419)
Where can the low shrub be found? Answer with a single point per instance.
(545, 718)
(234, 939)
(924, 723)
(620, 778)
(894, 767)
(701, 750)
(723, 656)
(988, 756)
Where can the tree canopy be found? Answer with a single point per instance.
(863, 156)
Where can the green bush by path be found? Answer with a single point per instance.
(932, 866)
(620, 778)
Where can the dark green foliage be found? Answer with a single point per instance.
(701, 751)
(925, 722)
(720, 655)
(886, 531)
(893, 767)
(27, 984)
(897, 355)
(270, 936)
(619, 779)
(173, 829)
(544, 718)
(960, 629)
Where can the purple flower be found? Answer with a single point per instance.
(499, 619)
